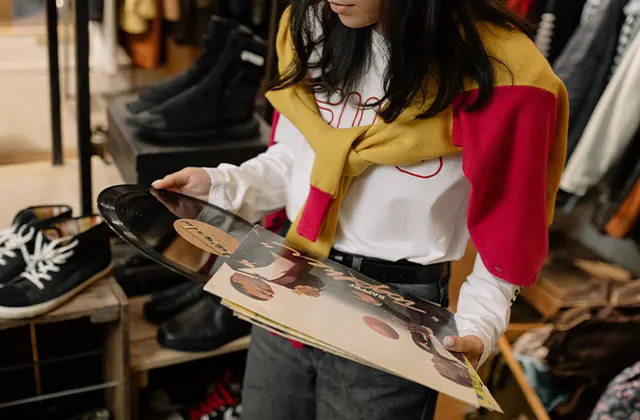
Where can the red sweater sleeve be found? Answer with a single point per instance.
(505, 155)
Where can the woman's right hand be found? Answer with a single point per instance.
(194, 182)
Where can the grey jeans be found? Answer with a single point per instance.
(283, 382)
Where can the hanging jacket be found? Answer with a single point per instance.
(630, 29)
(585, 63)
(618, 184)
(626, 218)
(557, 24)
(611, 128)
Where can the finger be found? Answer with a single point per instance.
(456, 344)
(171, 181)
(468, 344)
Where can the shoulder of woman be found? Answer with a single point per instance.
(517, 61)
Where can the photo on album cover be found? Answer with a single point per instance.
(337, 309)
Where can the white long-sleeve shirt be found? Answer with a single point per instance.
(416, 213)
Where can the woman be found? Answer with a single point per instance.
(408, 126)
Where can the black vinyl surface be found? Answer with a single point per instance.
(144, 217)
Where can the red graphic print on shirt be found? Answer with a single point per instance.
(345, 111)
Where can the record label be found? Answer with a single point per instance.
(206, 237)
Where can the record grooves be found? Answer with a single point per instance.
(145, 219)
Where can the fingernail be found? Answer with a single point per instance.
(155, 183)
(449, 342)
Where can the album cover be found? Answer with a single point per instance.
(326, 305)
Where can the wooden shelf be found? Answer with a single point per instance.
(100, 302)
(147, 354)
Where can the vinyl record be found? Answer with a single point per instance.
(185, 234)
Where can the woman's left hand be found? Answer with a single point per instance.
(471, 345)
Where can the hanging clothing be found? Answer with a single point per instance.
(618, 184)
(557, 24)
(585, 63)
(96, 10)
(611, 128)
(624, 221)
(589, 10)
(630, 29)
(621, 399)
(520, 7)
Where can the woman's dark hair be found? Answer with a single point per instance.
(430, 41)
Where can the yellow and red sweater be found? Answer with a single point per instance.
(513, 152)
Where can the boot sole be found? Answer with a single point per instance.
(241, 131)
(24, 312)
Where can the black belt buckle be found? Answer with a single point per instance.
(403, 272)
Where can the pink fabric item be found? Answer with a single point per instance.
(315, 208)
(505, 148)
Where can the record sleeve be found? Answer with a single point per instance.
(187, 235)
(321, 303)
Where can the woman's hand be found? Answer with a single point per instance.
(470, 345)
(194, 182)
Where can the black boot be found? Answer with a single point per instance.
(214, 43)
(205, 326)
(221, 104)
(167, 303)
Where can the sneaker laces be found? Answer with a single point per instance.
(13, 238)
(46, 257)
(218, 400)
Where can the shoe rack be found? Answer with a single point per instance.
(147, 355)
(79, 349)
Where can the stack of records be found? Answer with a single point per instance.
(312, 300)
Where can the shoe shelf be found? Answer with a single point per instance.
(146, 354)
(48, 366)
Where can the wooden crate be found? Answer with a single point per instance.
(147, 354)
(101, 308)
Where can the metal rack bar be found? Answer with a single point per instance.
(83, 103)
(54, 82)
(75, 391)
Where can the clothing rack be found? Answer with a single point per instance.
(83, 104)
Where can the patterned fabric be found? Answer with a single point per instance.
(621, 400)
(630, 29)
(590, 9)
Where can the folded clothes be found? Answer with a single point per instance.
(541, 381)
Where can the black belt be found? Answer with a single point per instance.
(403, 271)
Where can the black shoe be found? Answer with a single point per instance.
(222, 103)
(19, 238)
(141, 275)
(164, 305)
(214, 43)
(205, 326)
(66, 258)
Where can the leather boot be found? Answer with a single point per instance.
(205, 326)
(214, 43)
(167, 303)
(221, 105)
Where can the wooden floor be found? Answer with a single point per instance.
(30, 184)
